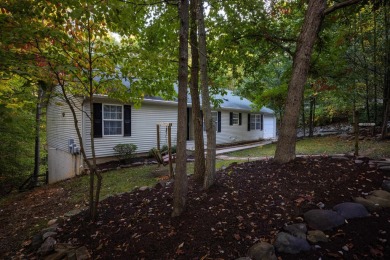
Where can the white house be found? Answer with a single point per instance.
(117, 123)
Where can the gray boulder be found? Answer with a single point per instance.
(368, 204)
(386, 185)
(315, 236)
(351, 210)
(297, 230)
(323, 219)
(381, 194)
(47, 247)
(49, 234)
(287, 243)
(262, 251)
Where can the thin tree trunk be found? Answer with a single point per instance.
(37, 153)
(303, 118)
(180, 189)
(285, 149)
(311, 116)
(210, 126)
(386, 83)
(199, 164)
(375, 73)
(366, 71)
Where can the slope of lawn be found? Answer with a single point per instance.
(323, 145)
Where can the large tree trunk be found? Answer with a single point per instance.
(285, 149)
(181, 183)
(199, 164)
(210, 125)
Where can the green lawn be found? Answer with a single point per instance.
(323, 145)
(123, 180)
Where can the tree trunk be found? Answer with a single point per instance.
(210, 125)
(199, 164)
(37, 153)
(181, 183)
(386, 83)
(285, 149)
(303, 118)
(375, 73)
(311, 116)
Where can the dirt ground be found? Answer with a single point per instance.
(250, 202)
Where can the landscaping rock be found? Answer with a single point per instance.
(62, 251)
(82, 253)
(47, 247)
(385, 203)
(315, 236)
(52, 222)
(351, 210)
(36, 242)
(368, 204)
(52, 228)
(381, 194)
(49, 234)
(323, 219)
(144, 188)
(358, 161)
(262, 251)
(342, 158)
(287, 243)
(72, 213)
(137, 164)
(386, 185)
(297, 230)
(384, 168)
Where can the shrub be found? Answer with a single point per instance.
(125, 152)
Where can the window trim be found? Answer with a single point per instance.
(254, 119)
(115, 120)
(238, 118)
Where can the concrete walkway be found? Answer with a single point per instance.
(230, 149)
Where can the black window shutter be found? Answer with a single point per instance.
(262, 120)
(127, 120)
(97, 120)
(231, 118)
(188, 123)
(249, 122)
(239, 119)
(219, 121)
(201, 117)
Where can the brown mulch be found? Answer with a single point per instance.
(250, 202)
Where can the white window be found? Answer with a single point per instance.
(236, 118)
(255, 122)
(112, 120)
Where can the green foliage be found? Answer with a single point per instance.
(17, 121)
(124, 152)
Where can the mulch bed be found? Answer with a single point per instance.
(250, 202)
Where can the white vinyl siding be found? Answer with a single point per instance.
(235, 133)
(112, 120)
(143, 130)
(255, 122)
(60, 123)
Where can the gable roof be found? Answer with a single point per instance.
(229, 101)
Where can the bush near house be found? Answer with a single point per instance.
(125, 152)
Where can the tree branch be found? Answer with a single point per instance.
(340, 5)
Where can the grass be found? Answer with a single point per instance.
(123, 180)
(323, 145)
